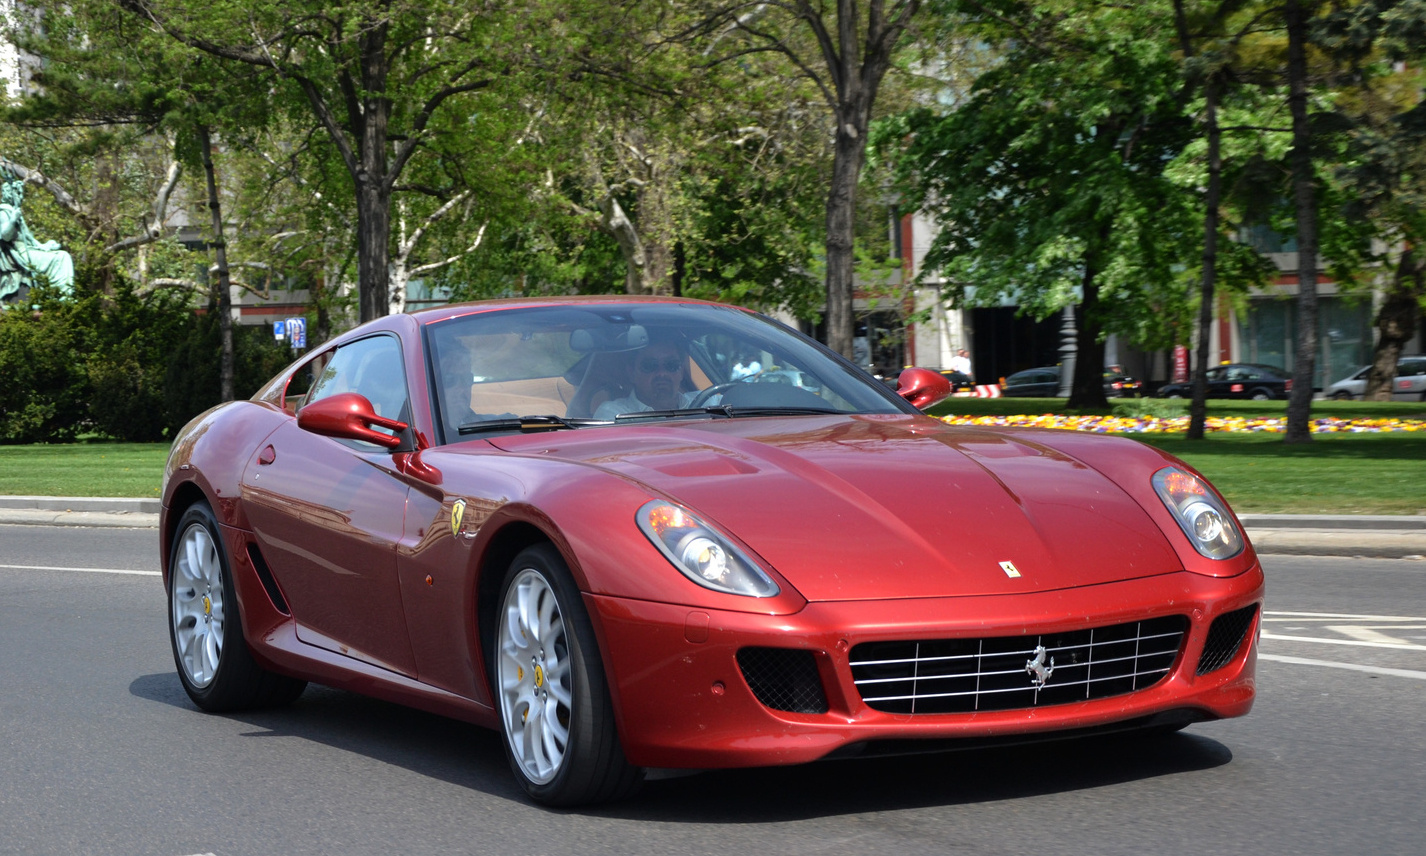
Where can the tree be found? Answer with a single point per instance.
(377, 76)
(847, 56)
(1049, 181)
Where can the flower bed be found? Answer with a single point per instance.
(1179, 424)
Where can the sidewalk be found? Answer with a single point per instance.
(1376, 537)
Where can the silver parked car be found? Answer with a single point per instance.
(1409, 385)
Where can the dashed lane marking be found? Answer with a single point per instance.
(1354, 667)
(79, 570)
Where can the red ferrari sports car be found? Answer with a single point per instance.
(583, 522)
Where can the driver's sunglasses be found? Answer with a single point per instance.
(671, 365)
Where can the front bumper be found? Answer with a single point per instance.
(682, 700)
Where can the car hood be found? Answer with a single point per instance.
(872, 507)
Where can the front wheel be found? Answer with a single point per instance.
(1341, 395)
(217, 669)
(1261, 395)
(555, 710)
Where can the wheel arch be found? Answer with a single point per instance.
(184, 497)
(502, 549)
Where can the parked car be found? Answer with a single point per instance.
(757, 574)
(1237, 380)
(1044, 382)
(1409, 385)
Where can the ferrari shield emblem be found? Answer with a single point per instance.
(1010, 570)
(457, 516)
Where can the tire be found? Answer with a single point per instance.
(1341, 395)
(205, 627)
(1261, 395)
(556, 714)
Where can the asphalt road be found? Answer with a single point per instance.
(100, 751)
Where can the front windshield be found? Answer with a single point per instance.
(596, 364)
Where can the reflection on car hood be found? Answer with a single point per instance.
(886, 506)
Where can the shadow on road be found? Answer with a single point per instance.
(472, 757)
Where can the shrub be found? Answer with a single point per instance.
(1150, 408)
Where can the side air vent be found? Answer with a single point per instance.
(264, 573)
(784, 679)
(1225, 638)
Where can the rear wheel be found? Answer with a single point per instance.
(217, 669)
(1261, 395)
(1341, 395)
(555, 710)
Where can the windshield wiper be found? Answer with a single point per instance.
(526, 424)
(728, 411)
(781, 410)
(716, 410)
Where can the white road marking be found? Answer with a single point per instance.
(1273, 615)
(80, 570)
(1404, 646)
(1374, 670)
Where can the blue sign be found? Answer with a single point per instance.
(279, 330)
(297, 332)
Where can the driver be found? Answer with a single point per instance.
(658, 372)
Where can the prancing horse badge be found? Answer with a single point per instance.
(457, 516)
(1010, 570)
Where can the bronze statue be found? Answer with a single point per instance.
(22, 258)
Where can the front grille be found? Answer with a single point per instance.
(783, 679)
(999, 673)
(1225, 637)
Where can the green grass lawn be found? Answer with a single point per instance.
(1336, 474)
(83, 469)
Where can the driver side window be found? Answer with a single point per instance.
(370, 367)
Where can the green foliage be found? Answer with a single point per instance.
(43, 382)
(1149, 408)
(126, 364)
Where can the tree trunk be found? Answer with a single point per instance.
(841, 227)
(222, 281)
(1299, 406)
(1087, 390)
(1198, 409)
(1396, 323)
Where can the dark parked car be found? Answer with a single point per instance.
(1238, 380)
(1045, 383)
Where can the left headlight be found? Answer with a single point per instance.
(1200, 513)
(702, 554)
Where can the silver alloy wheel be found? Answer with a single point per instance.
(196, 603)
(535, 676)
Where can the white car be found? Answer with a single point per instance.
(1409, 385)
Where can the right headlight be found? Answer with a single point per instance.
(701, 553)
(1200, 514)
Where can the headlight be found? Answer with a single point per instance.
(1200, 514)
(702, 554)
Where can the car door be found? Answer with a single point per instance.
(1219, 386)
(328, 513)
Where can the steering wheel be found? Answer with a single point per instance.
(704, 395)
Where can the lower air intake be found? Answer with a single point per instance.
(783, 679)
(1225, 637)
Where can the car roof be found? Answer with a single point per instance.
(456, 310)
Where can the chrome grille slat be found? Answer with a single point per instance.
(963, 675)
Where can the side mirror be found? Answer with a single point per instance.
(922, 387)
(348, 416)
